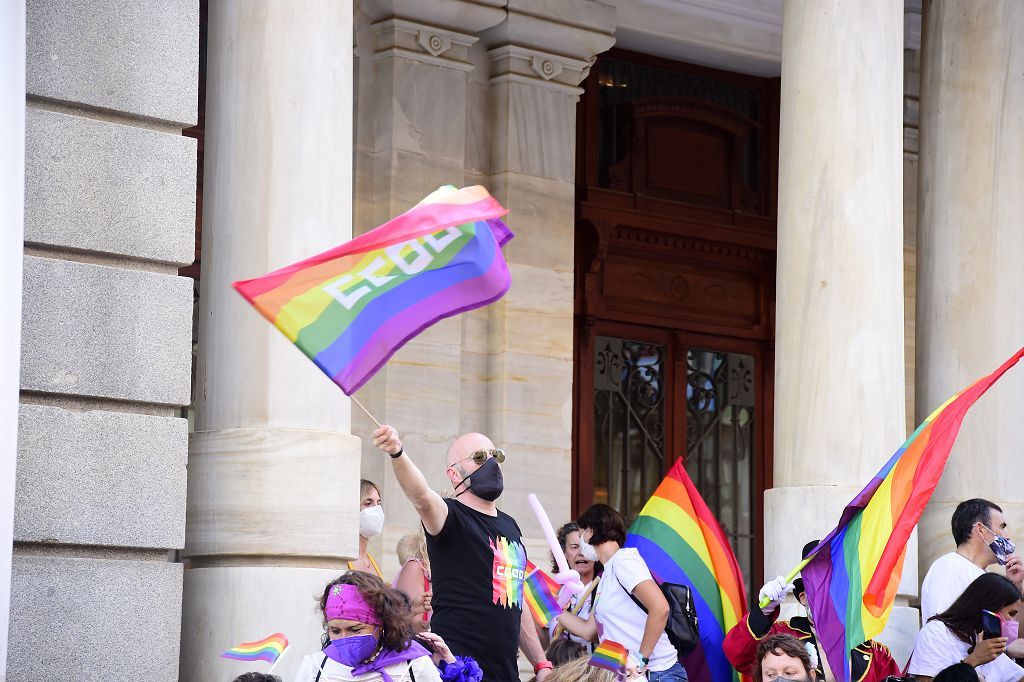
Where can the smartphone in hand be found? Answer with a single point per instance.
(991, 624)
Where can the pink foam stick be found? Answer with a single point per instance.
(568, 579)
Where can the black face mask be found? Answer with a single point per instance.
(486, 482)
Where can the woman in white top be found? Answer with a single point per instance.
(616, 617)
(581, 604)
(955, 635)
(367, 636)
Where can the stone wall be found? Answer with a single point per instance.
(106, 342)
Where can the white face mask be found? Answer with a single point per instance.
(587, 550)
(371, 521)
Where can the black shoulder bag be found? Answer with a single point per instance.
(681, 626)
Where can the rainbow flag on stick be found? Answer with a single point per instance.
(540, 590)
(852, 578)
(268, 649)
(682, 543)
(349, 309)
(610, 656)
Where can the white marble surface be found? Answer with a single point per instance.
(970, 247)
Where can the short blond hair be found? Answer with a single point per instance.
(580, 670)
(414, 546)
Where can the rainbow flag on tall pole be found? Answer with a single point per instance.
(681, 542)
(852, 578)
(351, 308)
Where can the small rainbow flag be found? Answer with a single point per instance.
(268, 649)
(351, 308)
(610, 656)
(851, 581)
(540, 591)
(681, 542)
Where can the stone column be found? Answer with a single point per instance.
(971, 250)
(12, 234)
(416, 70)
(839, 397)
(538, 57)
(273, 470)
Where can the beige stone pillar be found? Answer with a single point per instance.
(273, 472)
(416, 60)
(538, 57)
(971, 250)
(839, 382)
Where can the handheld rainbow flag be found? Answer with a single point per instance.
(268, 649)
(351, 308)
(539, 590)
(681, 542)
(610, 656)
(852, 578)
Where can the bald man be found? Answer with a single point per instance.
(477, 558)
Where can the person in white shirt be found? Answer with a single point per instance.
(616, 617)
(955, 635)
(982, 539)
(580, 604)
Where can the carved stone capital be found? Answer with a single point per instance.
(543, 69)
(421, 42)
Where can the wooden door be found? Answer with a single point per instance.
(675, 273)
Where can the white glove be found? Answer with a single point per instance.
(775, 591)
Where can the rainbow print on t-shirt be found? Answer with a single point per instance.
(509, 571)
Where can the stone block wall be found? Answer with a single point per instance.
(106, 339)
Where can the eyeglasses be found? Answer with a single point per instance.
(480, 456)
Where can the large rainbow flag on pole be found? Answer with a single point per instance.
(350, 308)
(851, 581)
(681, 542)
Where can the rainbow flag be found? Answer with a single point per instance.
(540, 592)
(268, 649)
(851, 581)
(610, 656)
(351, 308)
(681, 542)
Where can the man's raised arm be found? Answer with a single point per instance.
(428, 504)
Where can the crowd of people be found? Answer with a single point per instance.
(455, 610)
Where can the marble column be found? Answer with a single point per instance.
(12, 236)
(538, 55)
(416, 64)
(839, 382)
(971, 249)
(273, 469)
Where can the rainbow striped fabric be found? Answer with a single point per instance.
(681, 542)
(610, 656)
(540, 592)
(350, 308)
(268, 649)
(851, 581)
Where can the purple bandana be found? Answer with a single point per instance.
(384, 659)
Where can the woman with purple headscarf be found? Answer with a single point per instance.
(367, 637)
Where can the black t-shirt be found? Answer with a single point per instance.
(477, 566)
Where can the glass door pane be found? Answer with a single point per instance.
(629, 422)
(720, 409)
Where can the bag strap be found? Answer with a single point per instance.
(412, 674)
(321, 671)
(631, 595)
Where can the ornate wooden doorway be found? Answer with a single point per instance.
(675, 288)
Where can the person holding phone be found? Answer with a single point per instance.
(963, 633)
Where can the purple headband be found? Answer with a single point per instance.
(346, 602)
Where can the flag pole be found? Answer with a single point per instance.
(365, 411)
(279, 659)
(791, 577)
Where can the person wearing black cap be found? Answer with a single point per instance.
(869, 662)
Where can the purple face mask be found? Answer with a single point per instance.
(352, 651)
(1009, 630)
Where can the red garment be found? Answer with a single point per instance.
(869, 662)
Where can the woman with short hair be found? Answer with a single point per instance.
(630, 608)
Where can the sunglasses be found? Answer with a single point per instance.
(480, 456)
